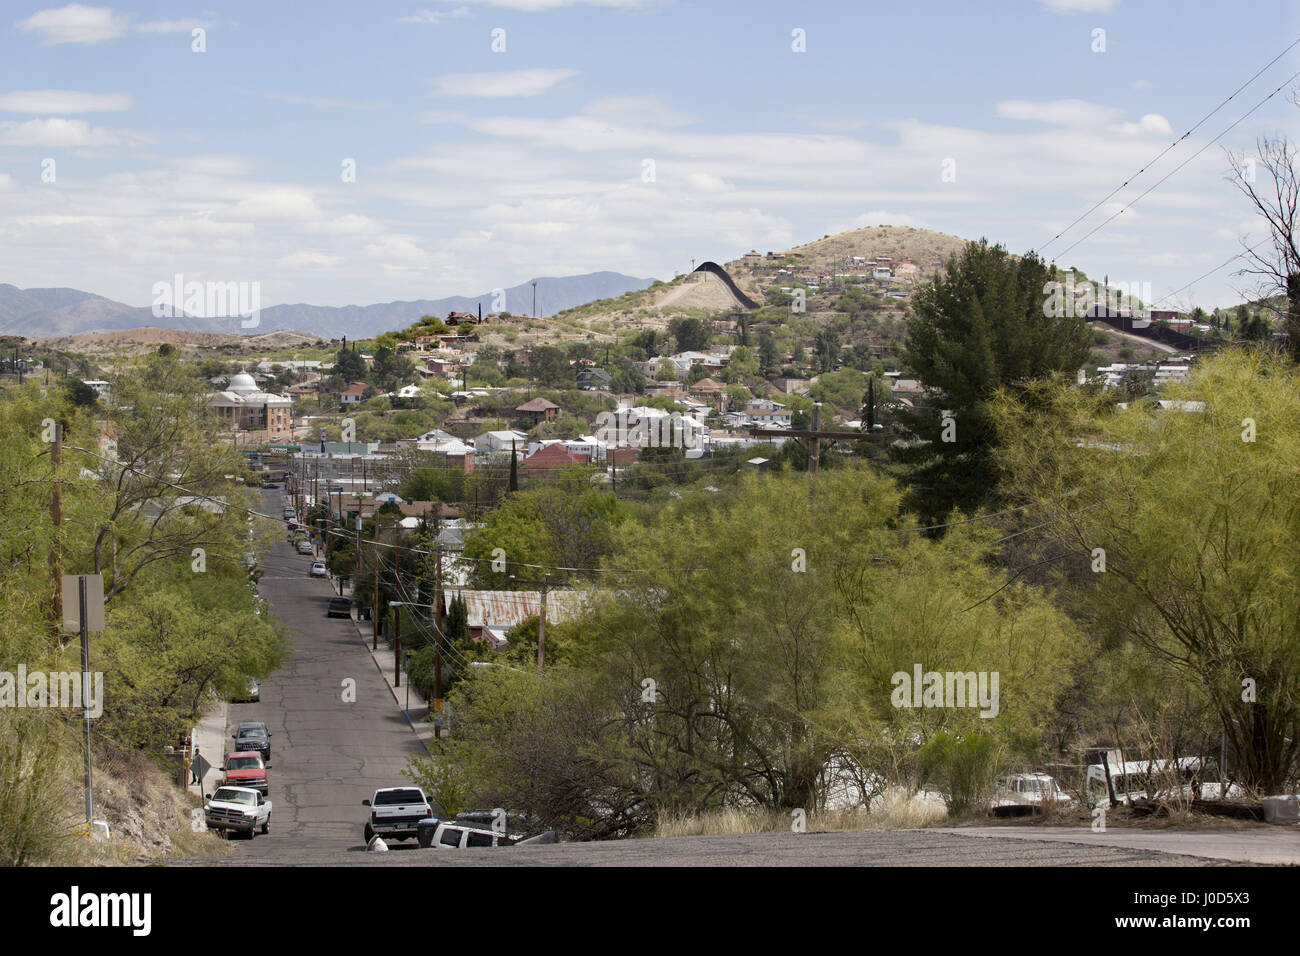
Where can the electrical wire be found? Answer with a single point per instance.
(1166, 177)
(1162, 153)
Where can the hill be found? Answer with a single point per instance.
(58, 313)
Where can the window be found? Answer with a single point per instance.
(450, 837)
(479, 839)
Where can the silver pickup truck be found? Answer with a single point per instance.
(396, 812)
(241, 809)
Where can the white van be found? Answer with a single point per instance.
(1151, 780)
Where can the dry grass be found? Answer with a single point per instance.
(895, 810)
(149, 817)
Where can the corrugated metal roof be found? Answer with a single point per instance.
(504, 609)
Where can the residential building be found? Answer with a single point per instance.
(538, 410)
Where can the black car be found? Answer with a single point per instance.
(339, 607)
(253, 737)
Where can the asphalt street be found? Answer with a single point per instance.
(327, 755)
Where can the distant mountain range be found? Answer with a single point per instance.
(53, 313)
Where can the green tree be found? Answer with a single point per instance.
(349, 365)
(1193, 519)
(691, 334)
(977, 327)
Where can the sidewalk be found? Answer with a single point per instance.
(209, 735)
(383, 658)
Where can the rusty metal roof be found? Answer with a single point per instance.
(504, 609)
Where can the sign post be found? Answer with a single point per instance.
(83, 608)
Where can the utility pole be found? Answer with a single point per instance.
(56, 516)
(397, 649)
(534, 300)
(374, 607)
(84, 621)
(814, 451)
(438, 635)
(541, 626)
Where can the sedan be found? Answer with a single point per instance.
(318, 569)
(304, 547)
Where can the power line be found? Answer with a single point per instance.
(1212, 271)
(1165, 178)
(1199, 123)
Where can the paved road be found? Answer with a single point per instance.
(862, 848)
(1265, 845)
(326, 755)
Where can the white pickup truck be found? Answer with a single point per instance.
(396, 812)
(241, 809)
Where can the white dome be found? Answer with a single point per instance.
(242, 383)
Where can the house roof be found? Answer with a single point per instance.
(504, 609)
(538, 404)
(549, 456)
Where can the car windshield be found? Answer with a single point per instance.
(252, 733)
(244, 763)
(398, 796)
(235, 796)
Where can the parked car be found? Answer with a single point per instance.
(1027, 794)
(240, 809)
(339, 607)
(304, 547)
(458, 836)
(245, 768)
(252, 693)
(253, 736)
(396, 812)
(318, 569)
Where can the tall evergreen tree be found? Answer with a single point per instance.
(986, 323)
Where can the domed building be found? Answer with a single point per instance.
(264, 416)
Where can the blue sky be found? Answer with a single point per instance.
(478, 169)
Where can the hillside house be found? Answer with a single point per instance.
(495, 442)
(538, 410)
(594, 378)
(553, 455)
(353, 394)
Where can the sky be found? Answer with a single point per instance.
(350, 153)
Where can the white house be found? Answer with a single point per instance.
(499, 441)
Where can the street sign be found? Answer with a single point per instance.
(94, 602)
(199, 766)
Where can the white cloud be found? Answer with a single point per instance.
(75, 23)
(1079, 6)
(276, 205)
(299, 260)
(434, 17)
(6, 181)
(1151, 123)
(172, 26)
(1076, 113)
(63, 101)
(496, 85)
(56, 132)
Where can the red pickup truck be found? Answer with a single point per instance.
(245, 769)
